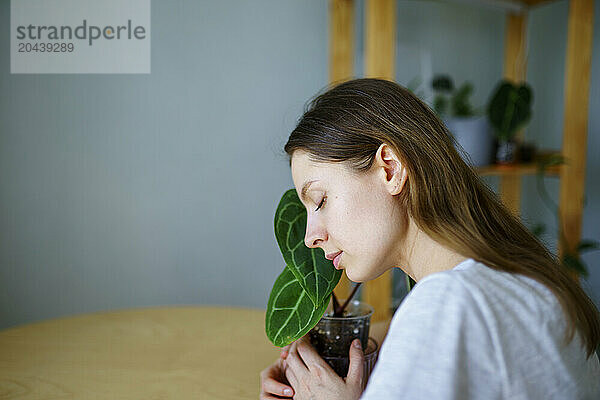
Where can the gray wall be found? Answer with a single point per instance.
(140, 190)
(122, 191)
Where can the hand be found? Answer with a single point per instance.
(273, 384)
(312, 378)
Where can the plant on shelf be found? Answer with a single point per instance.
(449, 101)
(571, 257)
(468, 125)
(300, 299)
(509, 110)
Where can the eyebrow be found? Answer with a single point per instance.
(305, 189)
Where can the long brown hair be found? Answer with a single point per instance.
(444, 195)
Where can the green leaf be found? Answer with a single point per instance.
(460, 101)
(290, 313)
(440, 104)
(410, 283)
(442, 83)
(587, 245)
(538, 229)
(314, 272)
(549, 160)
(575, 263)
(509, 108)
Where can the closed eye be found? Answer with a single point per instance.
(320, 204)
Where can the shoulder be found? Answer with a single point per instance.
(477, 304)
(444, 301)
(444, 289)
(476, 286)
(437, 332)
(476, 296)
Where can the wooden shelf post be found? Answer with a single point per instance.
(341, 68)
(577, 79)
(515, 69)
(380, 45)
(341, 40)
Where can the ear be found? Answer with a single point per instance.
(390, 168)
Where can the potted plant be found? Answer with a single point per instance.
(302, 299)
(470, 127)
(508, 111)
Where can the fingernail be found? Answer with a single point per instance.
(356, 343)
(284, 354)
(287, 392)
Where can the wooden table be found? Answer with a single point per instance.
(179, 353)
(183, 353)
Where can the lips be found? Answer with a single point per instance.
(336, 260)
(335, 257)
(331, 256)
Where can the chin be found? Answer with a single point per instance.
(364, 276)
(357, 278)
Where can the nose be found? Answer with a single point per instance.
(315, 233)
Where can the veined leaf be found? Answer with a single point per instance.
(290, 313)
(314, 272)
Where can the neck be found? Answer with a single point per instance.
(426, 256)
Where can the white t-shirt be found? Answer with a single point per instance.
(476, 333)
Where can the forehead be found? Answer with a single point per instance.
(305, 170)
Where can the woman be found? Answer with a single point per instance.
(493, 314)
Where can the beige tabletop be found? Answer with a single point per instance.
(152, 353)
(179, 353)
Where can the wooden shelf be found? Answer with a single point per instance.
(516, 170)
(514, 6)
(532, 3)
(380, 36)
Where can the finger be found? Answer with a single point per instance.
(309, 355)
(295, 363)
(291, 377)
(355, 370)
(267, 396)
(271, 386)
(273, 380)
(285, 351)
(272, 371)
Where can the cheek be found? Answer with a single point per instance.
(377, 216)
(350, 223)
(361, 228)
(365, 222)
(377, 232)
